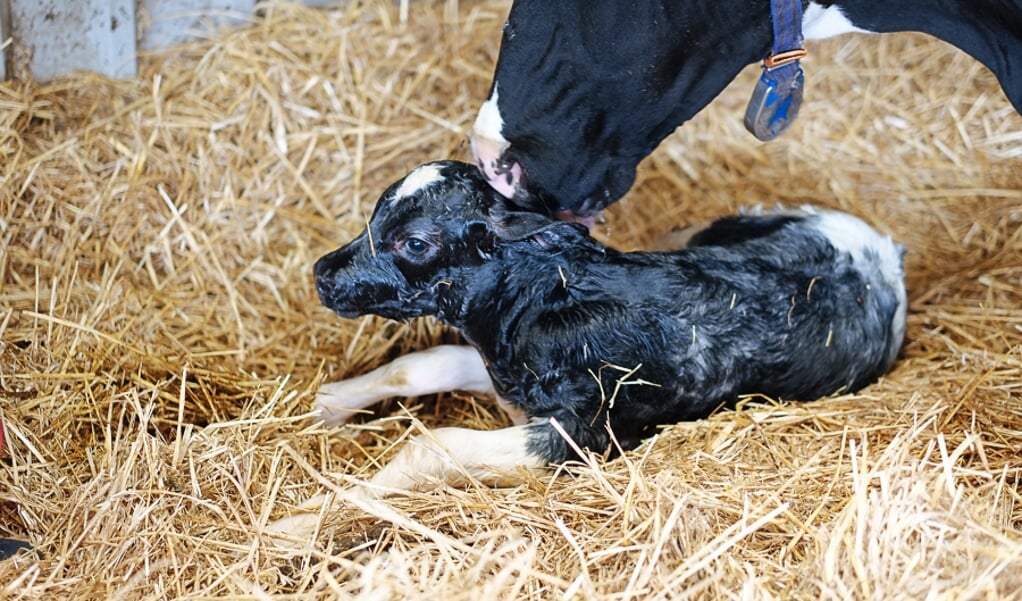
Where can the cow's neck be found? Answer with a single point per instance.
(989, 30)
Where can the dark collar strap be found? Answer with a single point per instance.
(778, 94)
(787, 19)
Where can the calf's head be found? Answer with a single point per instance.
(428, 233)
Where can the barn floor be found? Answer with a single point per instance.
(161, 337)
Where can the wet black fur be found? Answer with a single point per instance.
(560, 319)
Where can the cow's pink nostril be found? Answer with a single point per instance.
(504, 177)
(589, 221)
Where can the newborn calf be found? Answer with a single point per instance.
(584, 342)
(791, 305)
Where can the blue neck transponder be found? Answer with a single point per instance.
(778, 94)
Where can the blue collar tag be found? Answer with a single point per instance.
(778, 95)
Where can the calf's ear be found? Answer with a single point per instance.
(479, 236)
(535, 228)
(559, 234)
(519, 225)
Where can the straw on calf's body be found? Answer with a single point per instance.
(579, 340)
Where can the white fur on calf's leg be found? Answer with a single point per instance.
(298, 526)
(453, 455)
(439, 369)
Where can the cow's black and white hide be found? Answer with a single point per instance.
(583, 90)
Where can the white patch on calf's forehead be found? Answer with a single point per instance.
(418, 179)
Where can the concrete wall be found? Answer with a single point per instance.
(3, 38)
(169, 22)
(49, 38)
(59, 36)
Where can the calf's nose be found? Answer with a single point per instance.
(327, 268)
(323, 289)
(336, 260)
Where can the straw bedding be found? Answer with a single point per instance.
(162, 341)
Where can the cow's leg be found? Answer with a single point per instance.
(439, 369)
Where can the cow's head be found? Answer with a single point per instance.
(583, 91)
(552, 165)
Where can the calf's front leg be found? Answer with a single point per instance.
(445, 455)
(439, 369)
(456, 455)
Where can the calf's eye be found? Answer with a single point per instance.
(416, 246)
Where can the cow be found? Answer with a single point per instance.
(584, 90)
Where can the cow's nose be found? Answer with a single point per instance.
(503, 175)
